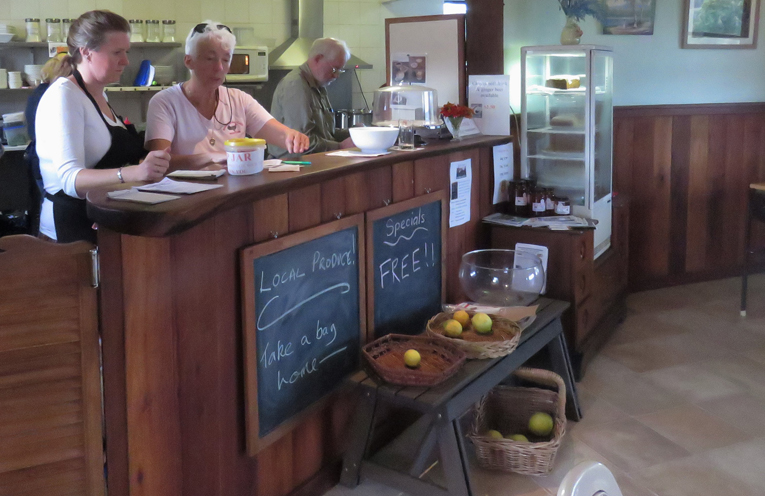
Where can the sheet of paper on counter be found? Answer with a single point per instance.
(460, 180)
(284, 168)
(353, 153)
(133, 195)
(489, 97)
(503, 172)
(167, 185)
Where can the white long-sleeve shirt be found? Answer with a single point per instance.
(70, 136)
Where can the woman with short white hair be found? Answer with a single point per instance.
(196, 117)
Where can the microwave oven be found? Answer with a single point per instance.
(249, 63)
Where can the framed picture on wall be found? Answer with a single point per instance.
(720, 24)
(628, 17)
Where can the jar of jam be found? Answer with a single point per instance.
(549, 202)
(563, 206)
(538, 202)
(521, 199)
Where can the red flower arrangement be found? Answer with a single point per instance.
(455, 111)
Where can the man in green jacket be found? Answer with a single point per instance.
(300, 101)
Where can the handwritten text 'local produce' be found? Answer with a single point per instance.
(324, 333)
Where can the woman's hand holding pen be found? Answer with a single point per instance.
(152, 168)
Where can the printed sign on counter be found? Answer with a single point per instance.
(489, 97)
(303, 322)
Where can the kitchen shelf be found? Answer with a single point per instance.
(19, 148)
(24, 44)
(44, 44)
(568, 156)
(557, 130)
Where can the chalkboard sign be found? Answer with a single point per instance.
(304, 320)
(406, 261)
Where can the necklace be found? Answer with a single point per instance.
(231, 110)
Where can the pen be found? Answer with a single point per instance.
(295, 162)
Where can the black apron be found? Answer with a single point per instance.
(69, 213)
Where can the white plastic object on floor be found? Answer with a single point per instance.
(589, 479)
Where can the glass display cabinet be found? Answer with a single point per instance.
(567, 128)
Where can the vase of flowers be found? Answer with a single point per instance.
(454, 114)
(572, 33)
(576, 11)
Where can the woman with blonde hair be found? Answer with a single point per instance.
(54, 68)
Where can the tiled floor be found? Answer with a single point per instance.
(674, 404)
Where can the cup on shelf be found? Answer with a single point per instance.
(3, 79)
(14, 80)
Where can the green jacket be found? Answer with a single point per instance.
(301, 103)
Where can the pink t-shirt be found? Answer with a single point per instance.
(172, 117)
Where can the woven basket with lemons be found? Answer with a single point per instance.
(501, 339)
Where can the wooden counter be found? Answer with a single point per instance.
(176, 216)
(172, 324)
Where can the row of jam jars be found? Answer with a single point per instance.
(531, 201)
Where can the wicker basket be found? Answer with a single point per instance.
(508, 410)
(439, 360)
(503, 339)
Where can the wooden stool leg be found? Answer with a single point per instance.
(561, 365)
(747, 238)
(361, 432)
(454, 458)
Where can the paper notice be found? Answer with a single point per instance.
(503, 172)
(461, 180)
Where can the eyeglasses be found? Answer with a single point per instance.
(201, 27)
(337, 71)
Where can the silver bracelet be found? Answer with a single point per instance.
(119, 175)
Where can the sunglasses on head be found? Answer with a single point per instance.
(200, 28)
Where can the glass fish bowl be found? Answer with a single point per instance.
(503, 278)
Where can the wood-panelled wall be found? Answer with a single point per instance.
(179, 427)
(687, 170)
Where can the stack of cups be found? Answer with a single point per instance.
(14, 80)
(33, 74)
(3, 79)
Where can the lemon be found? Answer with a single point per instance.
(462, 317)
(518, 437)
(412, 358)
(453, 328)
(482, 323)
(494, 434)
(541, 424)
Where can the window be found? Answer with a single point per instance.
(455, 7)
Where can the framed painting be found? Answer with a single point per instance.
(628, 16)
(720, 23)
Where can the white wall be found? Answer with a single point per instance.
(361, 24)
(648, 70)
